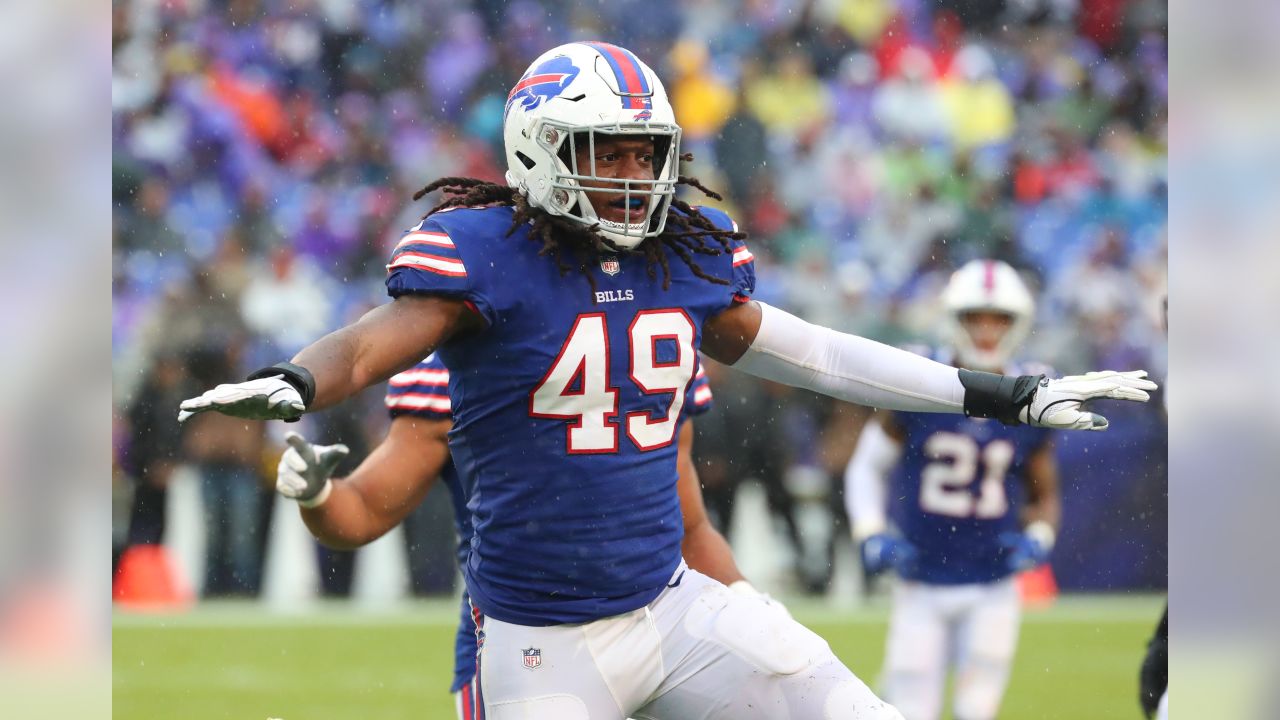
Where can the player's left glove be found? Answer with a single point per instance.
(304, 470)
(1041, 402)
(1028, 549)
(1056, 403)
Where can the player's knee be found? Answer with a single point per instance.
(548, 707)
(852, 700)
(759, 634)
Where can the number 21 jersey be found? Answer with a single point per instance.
(566, 409)
(960, 485)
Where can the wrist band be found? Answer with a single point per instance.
(987, 395)
(296, 375)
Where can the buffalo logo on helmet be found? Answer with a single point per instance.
(542, 83)
(532, 657)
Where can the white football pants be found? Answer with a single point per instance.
(971, 629)
(698, 651)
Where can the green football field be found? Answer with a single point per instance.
(1077, 659)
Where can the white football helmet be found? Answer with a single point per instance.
(571, 95)
(994, 286)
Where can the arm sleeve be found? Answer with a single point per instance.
(854, 369)
(866, 481)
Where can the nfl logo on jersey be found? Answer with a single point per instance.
(610, 265)
(532, 657)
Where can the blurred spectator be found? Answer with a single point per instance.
(789, 100)
(854, 90)
(740, 150)
(228, 454)
(979, 106)
(909, 106)
(288, 302)
(153, 449)
(703, 102)
(150, 229)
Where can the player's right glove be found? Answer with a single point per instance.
(883, 551)
(305, 470)
(280, 392)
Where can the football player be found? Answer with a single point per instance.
(569, 305)
(350, 512)
(963, 527)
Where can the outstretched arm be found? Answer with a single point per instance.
(778, 346)
(388, 339)
(704, 548)
(389, 483)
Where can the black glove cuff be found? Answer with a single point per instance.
(987, 395)
(296, 375)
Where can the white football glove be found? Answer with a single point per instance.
(269, 398)
(1056, 403)
(304, 470)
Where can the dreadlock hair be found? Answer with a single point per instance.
(687, 232)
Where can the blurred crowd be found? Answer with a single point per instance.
(266, 151)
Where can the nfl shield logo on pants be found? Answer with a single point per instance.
(610, 265)
(532, 657)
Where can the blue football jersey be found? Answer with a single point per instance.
(959, 485)
(566, 409)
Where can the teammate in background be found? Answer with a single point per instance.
(382, 491)
(570, 305)
(953, 486)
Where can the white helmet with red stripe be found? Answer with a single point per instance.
(574, 94)
(990, 286)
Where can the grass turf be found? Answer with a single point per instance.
(1078, 659)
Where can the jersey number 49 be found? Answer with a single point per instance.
(578, 387)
